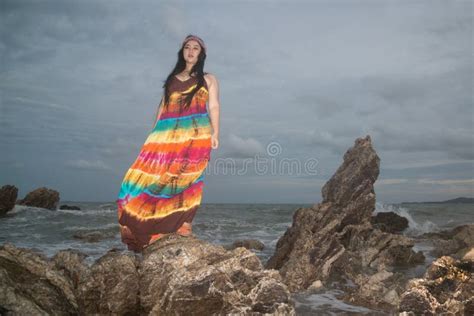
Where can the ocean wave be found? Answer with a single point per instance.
(87, 212)
(88, 228)
(326, 302)
(24, 208)
(414, 228)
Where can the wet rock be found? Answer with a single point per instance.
(467, 254)
(247, 243)
(110, 287)
(446, 288)
(379, 290)
(173, 270)
(209, 279)
(41, 197)
(70, 262)
(316, 285)
(8, 195)
(455, 242)
(335, 241)
(389, 222)
(69, 207)
(29, 286)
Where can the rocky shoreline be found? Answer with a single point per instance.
(178, 275)
(336, 244)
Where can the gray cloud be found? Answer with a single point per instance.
(80, 82)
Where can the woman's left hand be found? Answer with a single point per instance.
(214, 141)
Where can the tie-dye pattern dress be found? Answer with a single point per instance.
(163, 187)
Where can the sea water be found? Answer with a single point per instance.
(50, 231)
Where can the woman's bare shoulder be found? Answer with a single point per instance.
(210, 78)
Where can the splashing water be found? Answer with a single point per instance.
(415, 228)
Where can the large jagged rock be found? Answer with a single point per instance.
(176, 275)
(335, 240)
(41, 197)
(8, 195)
(446, 289)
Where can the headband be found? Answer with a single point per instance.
(196, 38)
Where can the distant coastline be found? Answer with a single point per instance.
(465, 200)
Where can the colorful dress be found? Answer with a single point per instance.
(163, 187)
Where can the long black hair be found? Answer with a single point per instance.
(197, 70)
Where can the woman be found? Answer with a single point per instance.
(162, 190)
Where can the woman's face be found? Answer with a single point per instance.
(191, 51)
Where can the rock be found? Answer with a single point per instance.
(41, 197)
(69, 207)
(316, 285)
(456, 242)
(175, 275)
(467, 254)
(71, 263)
(28, 285)
(247, 243)
(8, 195)
(110, 287)
(335, 241)
(389, 222)
(209, 279)
(376, 290)
(446, 288)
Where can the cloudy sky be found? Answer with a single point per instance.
(299, 82)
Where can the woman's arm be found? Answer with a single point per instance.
(214, 109)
